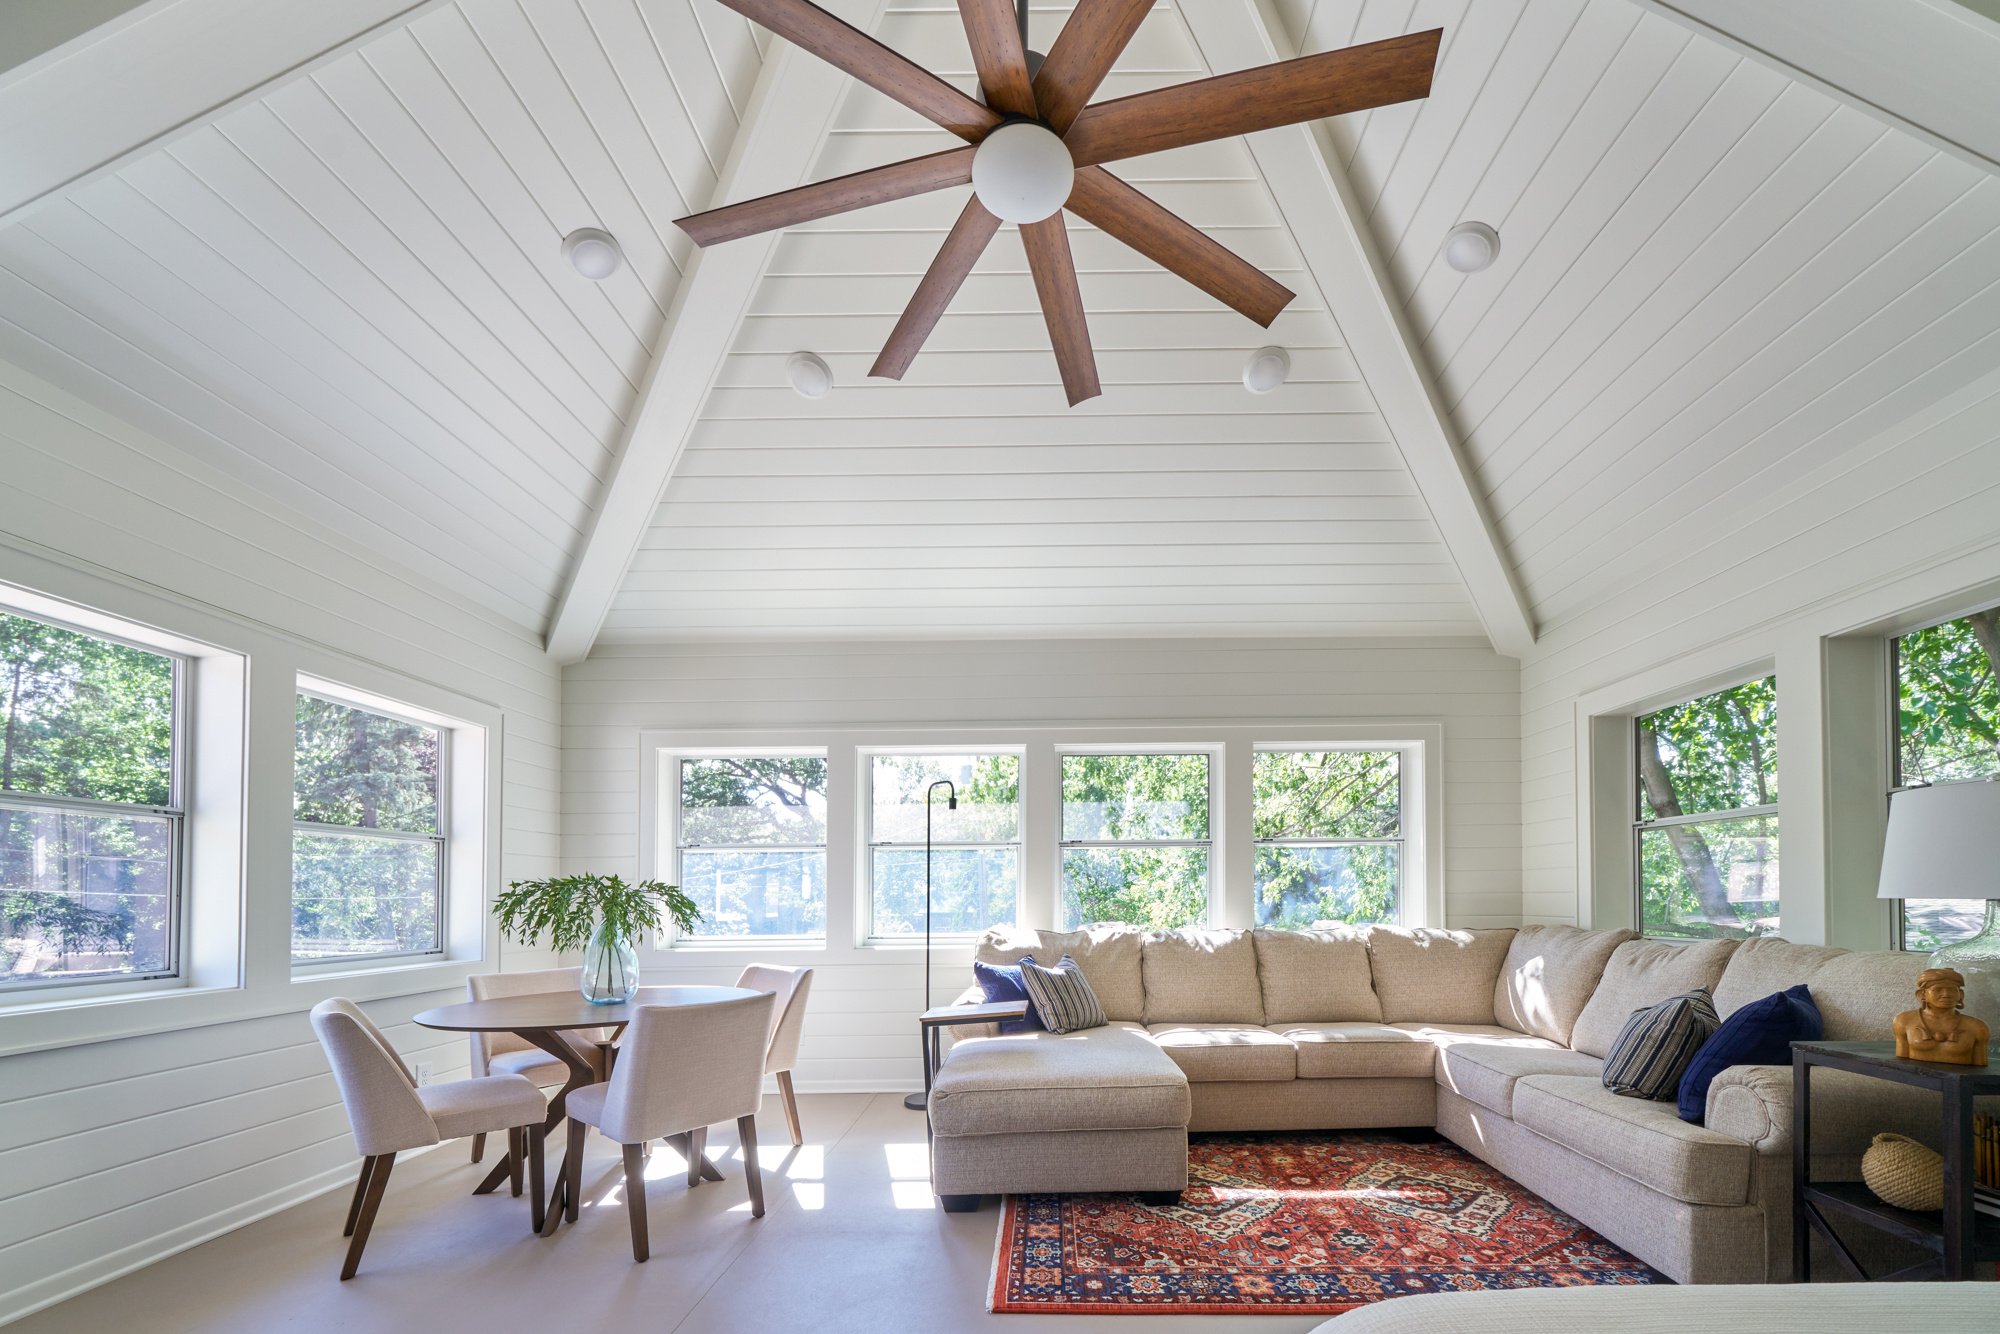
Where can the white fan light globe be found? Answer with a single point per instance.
(810, 376)
(1471, 246)
(1266, 369)
(1022, 172)
(593, 253)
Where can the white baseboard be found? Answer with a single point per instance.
(93, 1273)
(848, 1086)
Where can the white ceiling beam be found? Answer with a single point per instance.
(1313, 196)
(149, 74)
(783, 129)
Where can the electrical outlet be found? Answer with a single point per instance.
(423, 1071)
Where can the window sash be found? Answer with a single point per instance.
(1706, 817)
(439, 841)
(675, 763)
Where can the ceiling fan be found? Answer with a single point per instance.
(1037, 145)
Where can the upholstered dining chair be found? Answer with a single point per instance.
(506, 1054)
(781, 1053)
(389, 1113)
(679, 1071)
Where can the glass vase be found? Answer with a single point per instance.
(610, 967)
(1978, 961)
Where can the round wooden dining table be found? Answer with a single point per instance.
(542, 1020)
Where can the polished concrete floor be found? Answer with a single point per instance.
(851, 1241)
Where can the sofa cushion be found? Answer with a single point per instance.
(1108, 955)
(1858, 994)
(1359, 1051)
(1062, 996)
(1642, 973)
(1485, 1070)
(1002, 982)
(1110, 1078)
(1548, 975)
(1220, 1053)
(1440, 976)
(1760, 1033)
(1642, 1140)
(1657, 1045)
(1315, 977)
(1201, 977)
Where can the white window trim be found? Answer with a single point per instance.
(1213, 844)
(449, 732)
(1406, 756)
(665, 772)
(864, 872)
(1232, 862)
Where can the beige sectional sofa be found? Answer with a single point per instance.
(1496, 1038)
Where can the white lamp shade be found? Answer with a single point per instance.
(1022, 173)
(1943, 843)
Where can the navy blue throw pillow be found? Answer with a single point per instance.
(1761, 1033)
(1002, 982)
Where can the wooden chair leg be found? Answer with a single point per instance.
(791, 1106)
(479, 1146)
(516, 1144)
(573, 1170)
(537, 1139)
(697, 1143)
(377, 1181)
(360, 1189)
(746, 1130)
(635, 1199)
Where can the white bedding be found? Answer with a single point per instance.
(1819, 1308)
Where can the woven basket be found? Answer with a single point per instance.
(1904, 1173)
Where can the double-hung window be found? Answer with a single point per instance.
(1135, 838)
(1947, 711)
(1707, 822)
(750, 843)
(1329, 831)
(91, 806)
(975, 851)
(368, 845)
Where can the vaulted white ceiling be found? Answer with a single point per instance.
(346, 286)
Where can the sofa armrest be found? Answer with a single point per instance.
(1753, 1103)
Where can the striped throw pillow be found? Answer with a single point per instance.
(1657, 1045)
(1062, 996)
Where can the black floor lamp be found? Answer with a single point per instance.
(916, 1102)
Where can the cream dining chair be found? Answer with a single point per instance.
(389, 1113)
(788, 1015)
(679, 1071)
(506, 1054)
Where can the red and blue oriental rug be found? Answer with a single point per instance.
(1296, 1224)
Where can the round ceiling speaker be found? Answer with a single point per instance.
(593, 253)
(811, 377)
(1471, 246)
(1022, 172)
(1266, 369)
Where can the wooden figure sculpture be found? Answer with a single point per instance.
(1938, 1031)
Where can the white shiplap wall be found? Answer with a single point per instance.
(1902, 522)
(116, 1152)
(858, 1029)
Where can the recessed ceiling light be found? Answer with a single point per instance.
(1266, 369)
(810, 376)
(1471, 246)
(1022, 172)
(593, 252)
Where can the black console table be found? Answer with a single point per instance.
(1959, 1236)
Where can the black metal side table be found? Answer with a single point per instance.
(1959, 1236)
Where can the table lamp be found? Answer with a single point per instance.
(1944, 843)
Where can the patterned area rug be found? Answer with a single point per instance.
(1291, 1224)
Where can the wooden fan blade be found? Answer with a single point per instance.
(842, 194)
(1047, 244)
(1107, 203)
(961, 250)
(1096, 33)
(848, 48)
(996, 53)
(1329, 84)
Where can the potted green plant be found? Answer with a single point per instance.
(600, 913)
